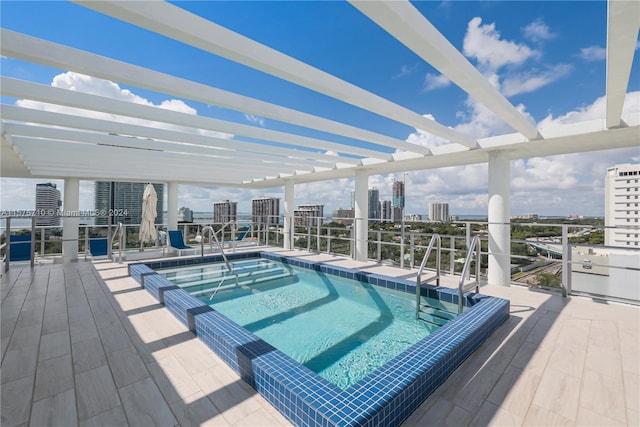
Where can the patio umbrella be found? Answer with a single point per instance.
(149, 213)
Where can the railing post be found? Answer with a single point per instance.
(328, 240)
(566, 261)
(122, 244)
(402, 249)
(452, 255)
(352, 247)
(86, 241)
(468, 240)
(32, 249)
(412, 249)
(7, 242)
(318, 234)
(109, 238)
(308, 238)
(379, 246)
(42, 242)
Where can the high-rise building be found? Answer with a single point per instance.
(398, 194)
(122, 201)
(344, 216)
(386, 211)
(373, 210)
(225, 211)
(398, 201)
(396, 214)
(621, 200)
(309, 215)
(374, 204)
(185, 215)
(439, 211)
(265, 210)
(47, 204)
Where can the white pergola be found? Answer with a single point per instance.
(44, 144)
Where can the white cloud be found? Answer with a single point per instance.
(254, 119)
(406, 70)
(483, 43)
(532, 80)
(538, 31)
(495, 55)
(597, 110)
(435, 81)
(593, 53)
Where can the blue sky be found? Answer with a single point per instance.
(546, 57)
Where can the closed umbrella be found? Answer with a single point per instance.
(149, 213)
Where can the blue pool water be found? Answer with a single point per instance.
(339, 328)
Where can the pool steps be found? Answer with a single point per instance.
(434, 315)
(241, 275)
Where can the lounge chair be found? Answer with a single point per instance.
(240, 237)
(176, 241)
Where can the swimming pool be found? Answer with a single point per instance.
(342, 329)
(387, 396)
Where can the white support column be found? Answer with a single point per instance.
(288, 212)
(172, 206)
(71, 204)
(499, 219)
(361, 221)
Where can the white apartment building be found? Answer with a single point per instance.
(309, 215)
(622, 206)
(225, 211)
(265, 210)
(439, 211)
(47, 204)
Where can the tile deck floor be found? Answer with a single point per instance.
(83, 344)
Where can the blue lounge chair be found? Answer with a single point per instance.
(98, 247)
(20, 249)
(176, 241)
(240, 237)
(242, 234)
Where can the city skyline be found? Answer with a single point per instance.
(244, 206)
(528, 49)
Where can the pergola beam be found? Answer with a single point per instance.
(622, 37)
(16, 129)
(19, 46)
(65, 152)
(70, 98)
(11, 112)
(178, 24)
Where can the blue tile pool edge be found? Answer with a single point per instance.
(385, 397)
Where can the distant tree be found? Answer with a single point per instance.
(549, 280)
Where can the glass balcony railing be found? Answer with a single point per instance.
(568, 257)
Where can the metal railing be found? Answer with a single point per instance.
(549, 251)
(120, 233)
(462, 288)
(212, 233)
(435, 239)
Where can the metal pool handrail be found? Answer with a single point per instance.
(434, 239)
(119, 229)
(215, 236)
(462, 288)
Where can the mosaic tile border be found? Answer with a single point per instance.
(385, 397)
